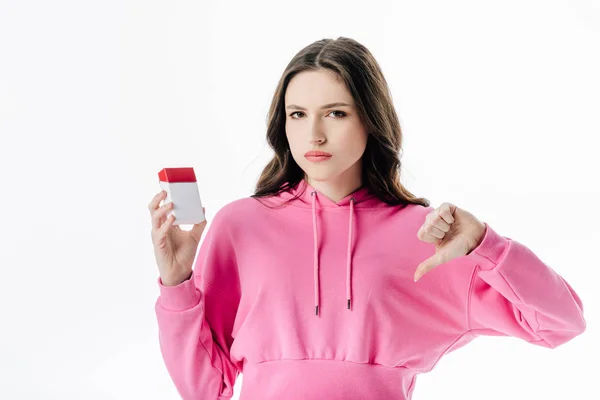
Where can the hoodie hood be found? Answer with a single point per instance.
(362, 197)
(305, 196)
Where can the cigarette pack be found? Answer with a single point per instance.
(182, 189)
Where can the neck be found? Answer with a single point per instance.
(335, 189)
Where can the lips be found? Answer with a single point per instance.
(316, 153)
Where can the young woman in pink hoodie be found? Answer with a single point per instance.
(309, 286)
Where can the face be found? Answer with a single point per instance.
(313, 124)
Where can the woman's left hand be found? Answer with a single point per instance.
(454, 232)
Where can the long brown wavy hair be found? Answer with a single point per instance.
(360, 72)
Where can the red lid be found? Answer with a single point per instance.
(177, 175)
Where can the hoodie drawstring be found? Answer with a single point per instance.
(316, 254)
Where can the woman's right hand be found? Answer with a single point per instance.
(174, 248)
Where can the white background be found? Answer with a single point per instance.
(499, 107)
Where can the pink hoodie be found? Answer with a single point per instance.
(316, 300)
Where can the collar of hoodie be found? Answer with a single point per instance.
(304, 195)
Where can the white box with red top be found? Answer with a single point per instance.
(182, 189)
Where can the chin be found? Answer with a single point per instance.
(320, 176)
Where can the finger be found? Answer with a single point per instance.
(198, 228)
(427, 237)
(164, 228)
(440, 224)
(431, 230)
(446, 212)
(428, 265)
(159, 216)
(156, 200)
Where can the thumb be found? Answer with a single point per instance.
(428, 265)
(198, 228)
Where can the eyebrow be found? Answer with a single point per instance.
(337, 104)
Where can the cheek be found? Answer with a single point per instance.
(291, 132)
(356, 143)
(293, 142)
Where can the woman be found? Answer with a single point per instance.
(309, 286)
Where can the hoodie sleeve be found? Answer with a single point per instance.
(514, 293)
(196, 317)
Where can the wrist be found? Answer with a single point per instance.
(174, 281)
(480, 235)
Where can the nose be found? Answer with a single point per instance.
(316, 141)
(316, 134)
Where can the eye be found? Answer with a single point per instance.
(342, 114)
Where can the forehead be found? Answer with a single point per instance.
(315, 88)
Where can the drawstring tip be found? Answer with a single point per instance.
(316, 310)
(348, 304)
